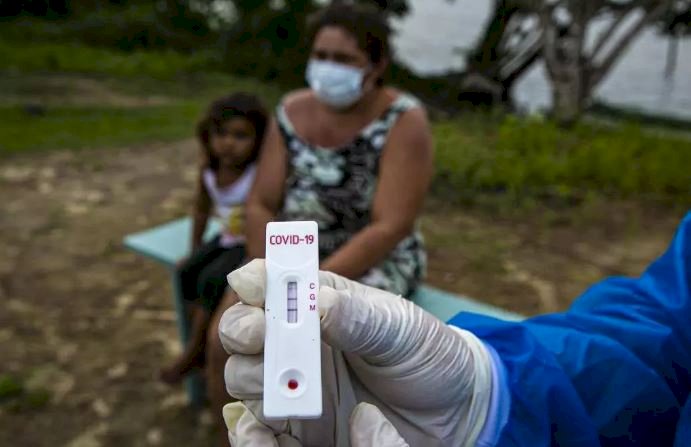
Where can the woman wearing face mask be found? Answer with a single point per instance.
(350, 153)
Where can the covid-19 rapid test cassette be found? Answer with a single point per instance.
(292, 356)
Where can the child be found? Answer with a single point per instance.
(230, 135)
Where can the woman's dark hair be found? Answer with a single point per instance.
(367, 24)
(239, 104)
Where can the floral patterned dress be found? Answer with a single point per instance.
(335, 187)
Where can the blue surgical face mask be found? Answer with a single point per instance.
(336, 85)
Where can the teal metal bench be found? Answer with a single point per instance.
(169, 242)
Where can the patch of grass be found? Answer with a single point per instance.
(535, 158)
(28, 57)
(16, 397)
(194, 76)
(183, 81)
(608, 112)
(36, 399)
(10, 387)
(80, 127)
(200, 87)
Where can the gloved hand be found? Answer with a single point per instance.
(392, 374)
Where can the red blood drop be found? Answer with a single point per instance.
(292, 384)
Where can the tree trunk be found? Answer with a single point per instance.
(566, 64)
(567, 99)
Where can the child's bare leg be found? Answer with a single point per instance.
(193, 353)
(216, 361)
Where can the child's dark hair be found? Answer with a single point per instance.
(366, 23)
(239, 104)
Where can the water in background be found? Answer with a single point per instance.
(430, 37)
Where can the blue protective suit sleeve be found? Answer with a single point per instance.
(614, 370)
(683, 438)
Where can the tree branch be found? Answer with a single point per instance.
(523, 57)
(604, 36)
(513, 27)
(530, 56)
(621, 11)
(486, 52)
(597, 73)
(549, 39)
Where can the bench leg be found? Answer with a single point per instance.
(194, 382)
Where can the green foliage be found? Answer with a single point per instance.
(43, 8)
(536, 158)
(167, 24)
(16, 397)
(265, 41)
(183, 90)
(10, 387)
(45, 56)
(270, 42)
(677, 21)
(35, 399)
(79, 127)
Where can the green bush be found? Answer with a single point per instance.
(127, 27)
(46, 56)
(531, 157)
(81, 127)
(10, 387)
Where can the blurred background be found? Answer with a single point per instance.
(563, 155)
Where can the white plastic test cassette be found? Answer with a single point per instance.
(292, 356)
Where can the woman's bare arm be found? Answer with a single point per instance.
(405, 172)
(266, 196)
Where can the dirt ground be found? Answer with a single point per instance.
(84, 324)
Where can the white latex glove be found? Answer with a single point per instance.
(429, 384)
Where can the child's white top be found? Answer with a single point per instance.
(229, 204)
